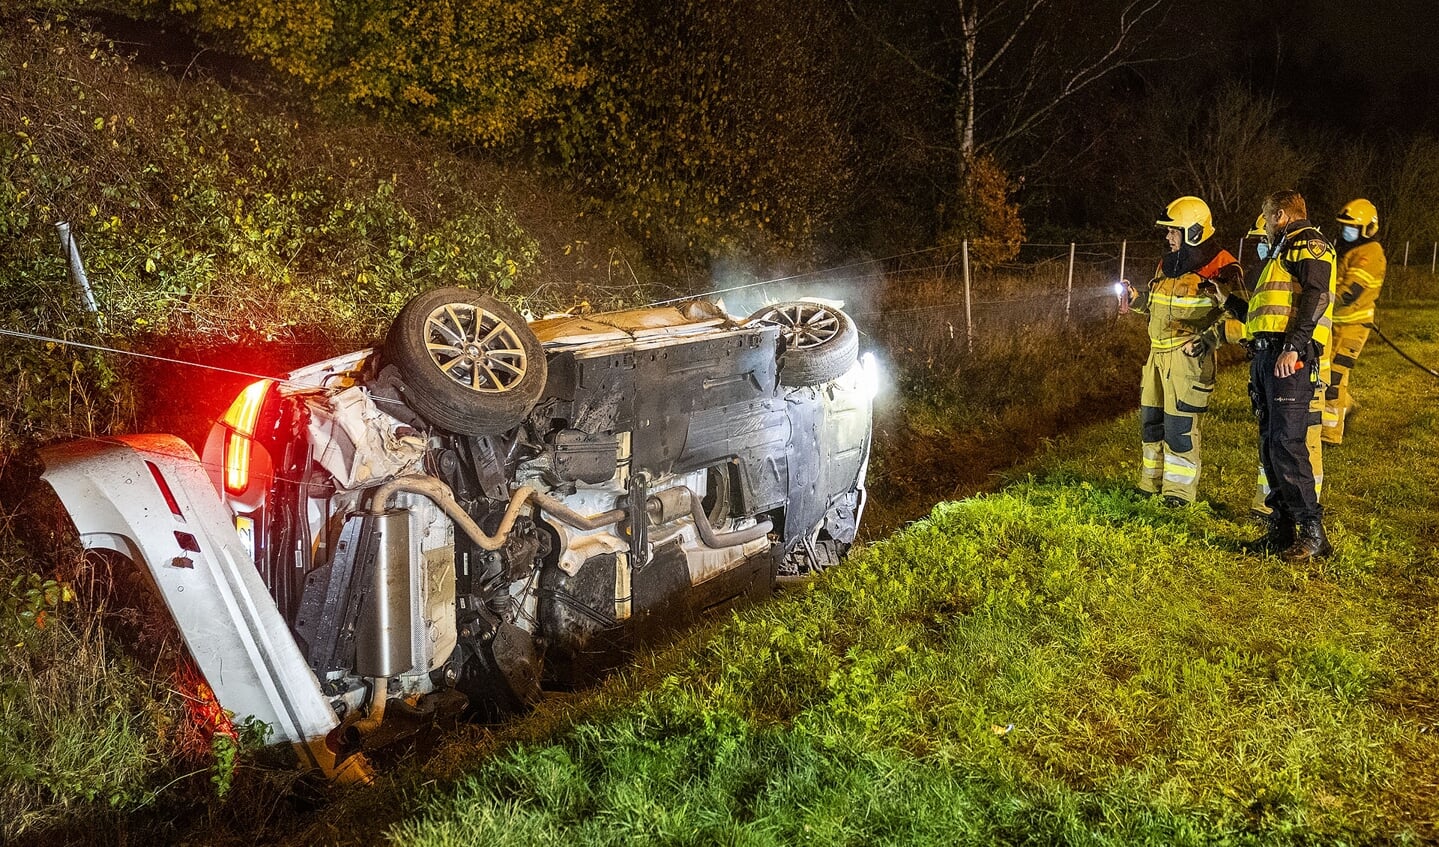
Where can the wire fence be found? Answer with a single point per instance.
(937, 294)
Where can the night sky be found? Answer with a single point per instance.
(1362, 67)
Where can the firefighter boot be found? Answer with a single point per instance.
(1278, 538)
(1311, 542)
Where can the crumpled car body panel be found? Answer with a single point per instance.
(148, 498)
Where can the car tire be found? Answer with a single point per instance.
(469, 363)
(818, 342)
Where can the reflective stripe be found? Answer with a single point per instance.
(1362, 316)
(1283, 310)
(1179, 470)
(1164, 345)
(1363, 277)
(1150, 468)
(1205, 303)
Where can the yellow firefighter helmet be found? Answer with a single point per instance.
(1258, 226)
(1191, 217)
(1362, 214)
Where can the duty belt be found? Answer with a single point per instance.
(1265, 341)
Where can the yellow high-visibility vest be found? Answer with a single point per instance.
(1276, 294)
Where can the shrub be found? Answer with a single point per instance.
(197, 212)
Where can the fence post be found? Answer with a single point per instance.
(968, 315)
(71, 252)
(1069, 286)
(1434, 259)
(1406, 254)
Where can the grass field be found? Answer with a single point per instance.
(1059, 662)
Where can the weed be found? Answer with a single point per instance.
(33, 598)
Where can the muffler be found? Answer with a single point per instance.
(383, 629)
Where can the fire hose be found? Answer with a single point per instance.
(1410, 359)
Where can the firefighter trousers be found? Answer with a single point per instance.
(1287, 410)
(1174, 392)
(1348, 344)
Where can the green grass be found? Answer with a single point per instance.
(1162, 687)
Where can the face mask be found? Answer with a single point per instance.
(1262, 248)
(1350, 233)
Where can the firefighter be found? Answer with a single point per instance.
(1178, 377)
(1289, 326)
(1234, 331)
(1360, 275)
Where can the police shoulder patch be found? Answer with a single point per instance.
(1317, 247)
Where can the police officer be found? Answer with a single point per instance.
(1360, 275)
(1289, 326)
(1178, 377)
(1234, 331)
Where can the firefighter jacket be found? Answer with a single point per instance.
(1178, 310)
(1294, 295)
(1359, 277)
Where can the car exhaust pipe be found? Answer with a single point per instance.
(440, 493)
(382, 632)
(674, 503)
(374, 714)
(664, 504)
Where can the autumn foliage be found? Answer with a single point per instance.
(984, 214)
(707, 126)
(485, 72)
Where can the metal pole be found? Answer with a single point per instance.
(1406, 254)
(1069, 287)
(968, 316)
(1434, 259)
(71, 251)
(1123, 250)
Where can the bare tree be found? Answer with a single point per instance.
(1007, 66)
(1411, 189)
(1230, 150)
(1350, 166)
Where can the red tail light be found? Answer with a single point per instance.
(241, 418)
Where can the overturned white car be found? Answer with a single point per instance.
(483, 507)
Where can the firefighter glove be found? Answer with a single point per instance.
(1197, 346)
(1349, 296)
(1229, 279)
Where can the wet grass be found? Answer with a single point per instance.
(1059, 662)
